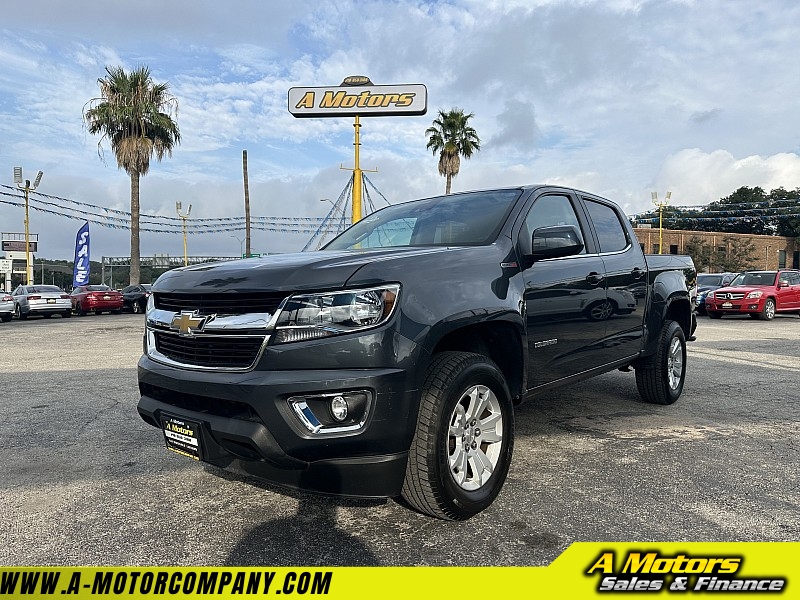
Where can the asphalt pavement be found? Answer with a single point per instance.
(85, 482)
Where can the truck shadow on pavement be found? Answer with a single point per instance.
(312, 536)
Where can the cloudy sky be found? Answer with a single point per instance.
(617, 97)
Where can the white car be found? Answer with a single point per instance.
(46, 300)
(6, 307)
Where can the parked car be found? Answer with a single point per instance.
(45, 300)
(708, 282)
(97, 298)
(134, 297)
(6, 307)
(759, 294)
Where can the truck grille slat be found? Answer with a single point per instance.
(210, 351)
(222, 304)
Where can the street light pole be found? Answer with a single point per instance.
(27, 188)
(661, 206)
(241, 241)
(183, 218)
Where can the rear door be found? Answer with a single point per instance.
(626, 280)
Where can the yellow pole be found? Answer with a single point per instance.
(661, 229)
(28, 265)
(356, 213)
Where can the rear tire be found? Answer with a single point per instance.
(20, 315)
(81, 311)
(660, 377)
(67, 314)
(462, 446)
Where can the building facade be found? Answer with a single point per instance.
(770, 252)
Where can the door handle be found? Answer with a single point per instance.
(637, 273)
(594, 278)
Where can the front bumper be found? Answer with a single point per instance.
(248, 426)
(741, 306)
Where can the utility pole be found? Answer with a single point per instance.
(661, 206)
(246, 204)
(27, 188)
(183, 218)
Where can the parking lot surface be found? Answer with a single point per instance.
(85, 482)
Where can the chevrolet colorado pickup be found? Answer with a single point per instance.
(390, 362)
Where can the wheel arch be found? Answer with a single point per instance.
(499, 340)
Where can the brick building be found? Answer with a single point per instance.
(772, 252)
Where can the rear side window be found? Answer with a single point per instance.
(610, 232)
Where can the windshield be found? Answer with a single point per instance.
(469, 219)
(709, 280)
(764, 278)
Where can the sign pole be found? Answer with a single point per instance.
(356, 209)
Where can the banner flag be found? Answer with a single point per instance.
(80, 274)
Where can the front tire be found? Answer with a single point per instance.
(660, 377)
(769, 310)
(20, 315)
(462, 447)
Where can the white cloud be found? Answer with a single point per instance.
(697, 177)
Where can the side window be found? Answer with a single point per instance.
(610, 232)
(548, 211)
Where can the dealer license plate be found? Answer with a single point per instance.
(51, 300)
(182, 436)
(106, 297)
(726, 305)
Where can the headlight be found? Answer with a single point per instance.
(312, 316)
(710, 295)
(755, 294)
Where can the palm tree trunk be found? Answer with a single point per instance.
(135, 263)
(449, 181)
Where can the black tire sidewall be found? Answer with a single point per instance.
(465, 502)
(673, 331)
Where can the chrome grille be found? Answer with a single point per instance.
(729, 296)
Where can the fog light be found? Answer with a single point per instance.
(339, 408)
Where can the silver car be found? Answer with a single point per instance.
(6, 307)
(45, 300)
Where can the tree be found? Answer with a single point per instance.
(701, 252)
(135, 115)
(739, 254)
(452, 137)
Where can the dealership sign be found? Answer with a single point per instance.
(358, 97)
(18, 246)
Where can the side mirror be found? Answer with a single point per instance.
(556, 241)
(783, 283)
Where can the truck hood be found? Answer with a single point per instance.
(320, 270)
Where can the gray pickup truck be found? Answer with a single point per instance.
(390, 362)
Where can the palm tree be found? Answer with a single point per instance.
(452, 137)
(135, 115)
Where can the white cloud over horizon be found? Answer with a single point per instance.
(620, 98)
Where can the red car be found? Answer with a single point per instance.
(97, 298)
(759, 294)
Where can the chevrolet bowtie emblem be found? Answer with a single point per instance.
(187, 323)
